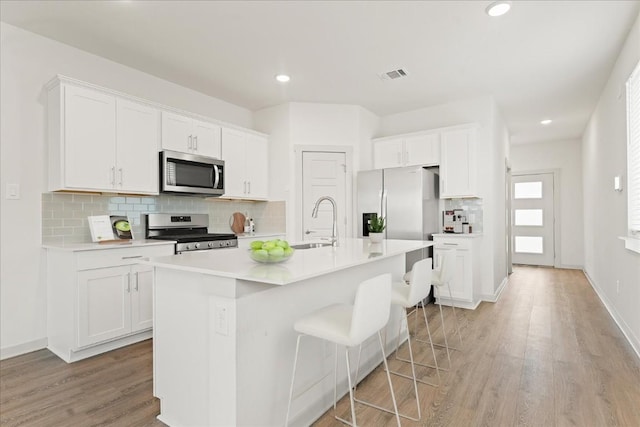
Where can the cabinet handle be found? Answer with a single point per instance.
(249, 186)
(244, 188)
(195, 142)
(450, 244)
(128, 282)
(113, 175)
(190, 143)
(132, 257)
(399, 158)
(121, 176)
(136, 283)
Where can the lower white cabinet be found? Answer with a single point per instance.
(99, 300)
(465, 283)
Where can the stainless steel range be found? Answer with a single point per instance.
(190, 231)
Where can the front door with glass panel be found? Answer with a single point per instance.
(532, 219)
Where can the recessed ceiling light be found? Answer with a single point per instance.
(545, 121)
(282, 78)
(498, 8)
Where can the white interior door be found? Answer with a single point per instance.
(323, 174)
(533, 219)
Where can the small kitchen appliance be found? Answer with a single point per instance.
(190, 231)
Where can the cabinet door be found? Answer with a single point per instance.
(137, 148)
(233, 154)
(141, 297)
(461, 282)
(206, 140)
(458, 164)
(422, 150)
(257, 167)
(89, 139)
(177, 132)
(104, 304)
(387, 154)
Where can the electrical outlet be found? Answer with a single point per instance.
(222, 319)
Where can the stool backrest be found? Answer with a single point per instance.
(447, 265)
(420, 281)
(371, 307)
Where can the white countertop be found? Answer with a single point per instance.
(463, 235)
(304, 264)
(258, 236)
(73, 247)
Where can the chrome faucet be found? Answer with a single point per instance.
(314, 213)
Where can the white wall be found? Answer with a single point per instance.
(298, 123)
(492, 150)
(27, 62)
(604, 156)
(566, 156)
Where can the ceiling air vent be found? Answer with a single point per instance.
(394, 74)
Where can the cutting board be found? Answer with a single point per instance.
(236, 222)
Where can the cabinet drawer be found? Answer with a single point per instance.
(121, 256)
(452, 243)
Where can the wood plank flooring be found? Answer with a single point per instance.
(546, 354)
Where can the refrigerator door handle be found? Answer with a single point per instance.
(383, 207)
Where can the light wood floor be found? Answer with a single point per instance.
(547, 354)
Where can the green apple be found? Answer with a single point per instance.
(257, 244)
(276, 253)
(268, 245)
(282, 243)
(288, 251)
(261, 255)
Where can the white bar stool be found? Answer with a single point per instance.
(350, 325)
(407, 295)
(441, 278)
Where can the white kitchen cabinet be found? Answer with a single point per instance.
(466, 278)
(407, 150)
(99, 299)
(136, 147)
(189, 135)
(100, 142)
(459, 163)
(246, 164)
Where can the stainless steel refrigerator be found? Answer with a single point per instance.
(408, 199)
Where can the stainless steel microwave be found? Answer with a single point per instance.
(183, 173)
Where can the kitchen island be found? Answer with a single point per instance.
(223, 330)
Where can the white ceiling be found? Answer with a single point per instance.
(543, 59)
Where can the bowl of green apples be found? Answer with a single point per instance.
(270, 251)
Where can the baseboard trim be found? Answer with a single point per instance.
(24, 348)
(496, 295)
(622, 325)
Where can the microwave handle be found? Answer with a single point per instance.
(216, 171)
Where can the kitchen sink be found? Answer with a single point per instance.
(310, 245)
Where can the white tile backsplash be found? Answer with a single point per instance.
(64, 215)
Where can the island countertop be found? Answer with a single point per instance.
(304, 264)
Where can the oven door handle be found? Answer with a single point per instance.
(216, 171)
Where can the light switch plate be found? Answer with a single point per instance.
(13, 191)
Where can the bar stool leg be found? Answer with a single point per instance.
(455, 318)
(293, 378)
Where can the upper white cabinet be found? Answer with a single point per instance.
(407, 150)
(459, 164)
(246, 164)
(100, 142)
(189, 135)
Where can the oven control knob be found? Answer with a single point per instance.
(210, 244)
(228, 243)
(187, 247)
(196, 246)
